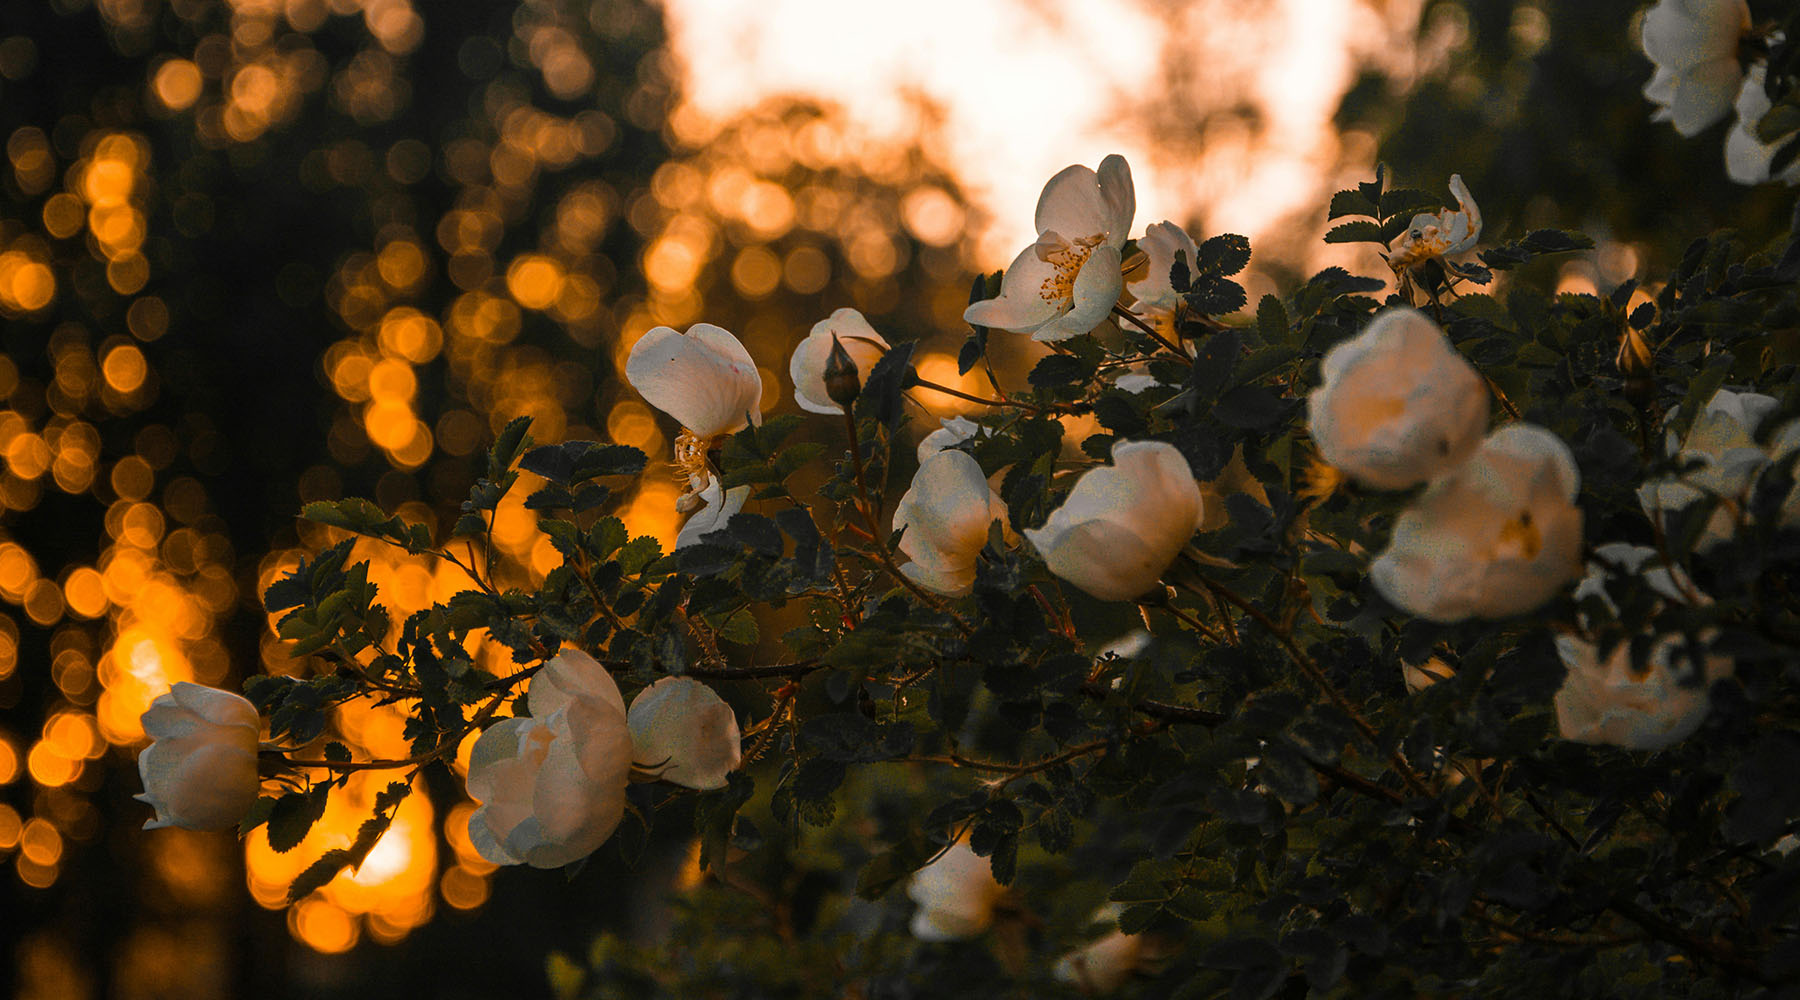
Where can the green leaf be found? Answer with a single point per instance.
(578, 461)
(1224, 255)
(1351, 202)
(292, 817)
(1355, 232)
(1408, 202)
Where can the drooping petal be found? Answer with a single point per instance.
(1162, 243)
(1119, 196)
(199, 772)
(704, 378)
(682, 731)
(945, 514)
(1021, 306)
(717, 507)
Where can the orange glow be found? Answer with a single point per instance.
(390, 895)
(124, 368)
(26, 284)
(50, 768)
(534, 281)
(401, 264)
(11, 826)
(177, 84)
(40, 843)
(85, 592)
(64, 215)
(9, 773)
(409, 334)
(392, 381)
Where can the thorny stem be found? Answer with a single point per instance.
(1312, 670)
(1013, 772)
(1148, 330)
(866, 507)
(959, 394)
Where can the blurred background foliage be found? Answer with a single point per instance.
(259, 252)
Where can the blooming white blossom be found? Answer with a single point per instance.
(703, 378)
(1610, 700)
(952, 432)
(1722, 441)
(956, 894)
(1162, 243)
(1496, 537)
(1064, 284)
(1123, 524)
(1694, 44)
(1438, 234)
(807, 366)
(1747, 157)
(552, 785)
(200, 771)
(684, 733)
(716, 507)
(1398, 404)
(945, 514)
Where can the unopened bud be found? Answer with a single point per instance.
(1634, 357)
(842, 383)
(1635, 362)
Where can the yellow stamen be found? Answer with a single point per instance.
(1067, 260)
(1320, 480)
(1520, 538)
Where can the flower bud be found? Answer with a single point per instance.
(200, 773)
(842, 384)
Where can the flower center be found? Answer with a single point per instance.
(1519, 539)
(1419, 245)
(691, 468)
(1067, 260)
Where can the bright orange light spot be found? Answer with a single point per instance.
(10, 825)
(177, 84)
(75, 735)
(322, 927)
(755, 272)
(85, 592)
(26, 284)
(108, 181)
(463, 888)
(392, 382)
(40, 843)
(17, 571)
(124, 368)
(534, 281)
(9, 773)
(410, 334)
(44, 602)
(401, 264)
(50, 768)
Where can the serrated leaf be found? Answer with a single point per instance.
(1355, 232)
(1351, 202)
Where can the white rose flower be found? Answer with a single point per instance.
(200, 771)
(684, 733)
(956, 894)
(1162, 244)
(1398, 405)
(716, 507)
(1066, 283)
(1438, 234)
(1722, 440)
(1747, 157)
(1495, 538)
(1123, 524)
(807, 366)
(703, 378)
(1610, 701)
(552, 786)
(1785, 442)
(952, 432)
(1103, 965)
(1694, 44)
(945, 513)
